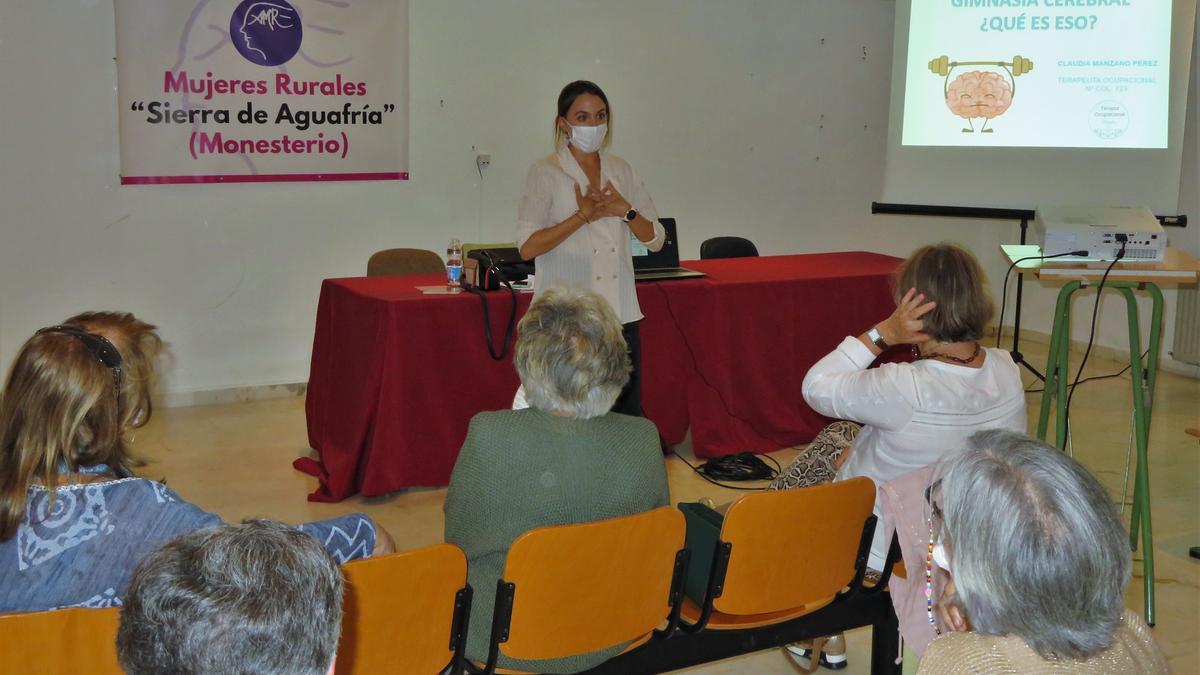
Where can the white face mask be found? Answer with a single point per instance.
(588, 139)
(939, 557)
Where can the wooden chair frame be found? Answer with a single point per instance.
(381, 582)
(60, 641)
(720, 566)
(458, 630)
(506, 594)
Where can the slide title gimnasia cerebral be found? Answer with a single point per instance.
(1021, 4)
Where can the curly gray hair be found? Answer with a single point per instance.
(571, 354)
(260, 597)
(1035, 544)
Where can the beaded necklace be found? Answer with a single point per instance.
(940, 355)
(933, 510)
(929, 579)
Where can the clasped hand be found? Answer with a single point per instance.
(601, 203)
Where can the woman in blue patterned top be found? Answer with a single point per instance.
(74, 520)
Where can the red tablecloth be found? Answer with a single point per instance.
(397, 375)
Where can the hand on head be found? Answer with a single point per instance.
(905, 325)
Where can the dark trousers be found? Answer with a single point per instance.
(630, 400)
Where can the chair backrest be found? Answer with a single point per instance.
(580, 588)
(400, 611)
(728, 247)
(467, 248)
(791, 548)
(405, 261)
(61, 641)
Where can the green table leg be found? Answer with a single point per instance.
(1143, 378)
(1064, 367)
(1136, 375)
(1056, 365)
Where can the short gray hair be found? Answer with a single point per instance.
(260, 597)
(571, 354)
(1036, 546)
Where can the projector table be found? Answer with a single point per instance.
(1177, 267)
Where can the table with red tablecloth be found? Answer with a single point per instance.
(397, 374)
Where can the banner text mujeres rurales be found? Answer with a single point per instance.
(284, 85)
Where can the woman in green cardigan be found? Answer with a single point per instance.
(565, 459)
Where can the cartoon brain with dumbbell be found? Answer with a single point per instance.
(980, 94)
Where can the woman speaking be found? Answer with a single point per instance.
(578, 215)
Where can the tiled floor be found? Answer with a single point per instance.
(235, 460)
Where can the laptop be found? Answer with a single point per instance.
(661, 264)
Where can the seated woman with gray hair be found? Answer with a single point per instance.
(565, 459)
(260, 597)
(1039, 561)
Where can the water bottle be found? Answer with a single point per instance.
(454, 265)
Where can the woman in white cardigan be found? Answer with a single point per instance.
(583, 213)
(904, 416)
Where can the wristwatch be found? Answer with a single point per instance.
(629, 216)
(875, 336)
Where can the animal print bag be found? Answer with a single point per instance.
(819, 462)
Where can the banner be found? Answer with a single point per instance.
(225, 91)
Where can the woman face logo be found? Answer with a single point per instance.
(266, 32)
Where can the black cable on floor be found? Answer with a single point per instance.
(1093, 377)
(700, 472)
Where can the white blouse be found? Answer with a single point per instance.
(599, 255)
(913, 413)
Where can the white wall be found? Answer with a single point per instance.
(1189, 180)
(766, 119)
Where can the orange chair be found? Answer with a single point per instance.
(61, 641)
(785, 553)
(786, 566)
(404, 613)
(574, 589)
(405, 261)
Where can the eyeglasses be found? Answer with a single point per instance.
(933, 507)
(98, 345)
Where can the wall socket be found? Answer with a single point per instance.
(483, 161)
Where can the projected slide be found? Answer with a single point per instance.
(1038, 73)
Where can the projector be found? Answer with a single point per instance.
(1101, 231)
